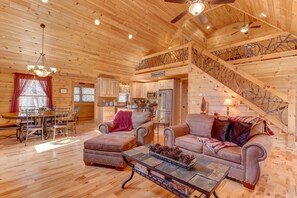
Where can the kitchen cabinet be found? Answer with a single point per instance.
(105, 113)
(108, 87)
(138, 90)
(166, 84)
(152, 86)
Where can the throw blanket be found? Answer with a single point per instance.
(214, 145)
(122, 121)
(254, 121)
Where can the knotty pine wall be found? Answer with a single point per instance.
(199, 87)
(59, 81)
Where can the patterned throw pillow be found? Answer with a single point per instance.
(220, 130)
(239, 132)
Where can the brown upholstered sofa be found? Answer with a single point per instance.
(245, 162)
(142, 128)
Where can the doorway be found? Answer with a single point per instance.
(184, 100)
(84, 99)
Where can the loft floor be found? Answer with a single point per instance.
(39, 170)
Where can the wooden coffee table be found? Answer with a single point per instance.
(204, 177)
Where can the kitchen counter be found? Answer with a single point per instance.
(134, 108)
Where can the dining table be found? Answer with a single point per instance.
(48, 116)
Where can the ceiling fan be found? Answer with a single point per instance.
(196, 7)
(245, 28)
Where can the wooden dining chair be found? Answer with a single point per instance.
(33, 127)
(7, 127)
(23, 110)
(60, 123)
(73, 120)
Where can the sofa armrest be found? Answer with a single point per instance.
(105, 127)
(170, 133)
(145, 133)
(254, 151)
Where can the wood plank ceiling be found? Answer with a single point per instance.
(76, 46)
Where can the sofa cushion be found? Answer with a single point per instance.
(189, 142)
(138, 118)
(257, 129)
(232, 154)
(110, 142)
(200, 124)
(220, 129)
(239, 132)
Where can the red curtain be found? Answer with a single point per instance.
(46, 85)
(21, 83)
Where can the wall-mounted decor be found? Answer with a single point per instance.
(63, 90)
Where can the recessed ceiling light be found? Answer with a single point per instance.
(208, 27)
(97, 22)
(170, 47)
(44, 1)
(130, 36)
(263, 14)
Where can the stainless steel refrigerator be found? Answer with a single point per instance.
(165, 105)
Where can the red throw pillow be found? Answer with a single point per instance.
(239, 132)
(220, 129)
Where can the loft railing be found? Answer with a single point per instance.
(259, 96)
(281, 43)
(178, 55)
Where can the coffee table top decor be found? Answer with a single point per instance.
(172, 155)
(204, 177)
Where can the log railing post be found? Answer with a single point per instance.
(291, 118)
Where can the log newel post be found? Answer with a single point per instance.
(291, 118)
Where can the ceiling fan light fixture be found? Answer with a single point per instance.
(196, 8)
(263, 15)
(244, 29)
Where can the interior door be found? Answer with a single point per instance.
(184, 100)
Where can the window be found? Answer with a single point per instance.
(76, 94)
(33, 96)
(84, 94)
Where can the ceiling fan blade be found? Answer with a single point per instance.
(234, 33)
(178, 17)
(176, 1)
(220, 1)
(256, 26)
(203, 18)
(250, 23)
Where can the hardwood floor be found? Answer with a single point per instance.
(34, 171)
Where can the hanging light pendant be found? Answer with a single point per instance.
(41, 70)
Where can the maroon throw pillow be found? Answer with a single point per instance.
(239, 132)
(220, 129)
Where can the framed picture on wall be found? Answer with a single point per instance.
(63, 90)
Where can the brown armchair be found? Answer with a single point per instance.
(142, 128)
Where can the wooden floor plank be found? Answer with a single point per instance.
(60, 172)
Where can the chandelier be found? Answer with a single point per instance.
(41, 70)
